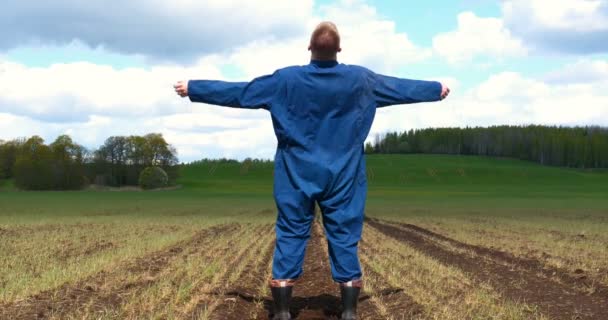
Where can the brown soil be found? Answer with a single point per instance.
(315, 294)
(515, 280)
(104, 290)
(577, 279)
(68, 249)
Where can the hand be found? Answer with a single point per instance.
(181, 88)
(445, 91)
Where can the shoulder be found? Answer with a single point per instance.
(290, 69)
(363, 74)
(357, 68)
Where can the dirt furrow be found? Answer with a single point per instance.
(392, 303)
(105, 289)
(556, 300)
(578, 280)
(316, 296)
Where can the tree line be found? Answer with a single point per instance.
(579, 147)
(67, 165)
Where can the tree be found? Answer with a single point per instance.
(68, 169)
(33, 165)
(8, 157)
(153, 178)
(120, 160)
(581, 147)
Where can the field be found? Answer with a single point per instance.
(446, 237)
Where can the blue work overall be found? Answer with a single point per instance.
(322, 113)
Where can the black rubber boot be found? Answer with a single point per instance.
(281, 297)
(350, 296)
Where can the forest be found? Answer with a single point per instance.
(67, 165)
(120, 160)
(577, 147)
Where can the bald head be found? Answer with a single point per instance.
(325, 42)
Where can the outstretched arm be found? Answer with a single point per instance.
(252, 95)
(390, 91)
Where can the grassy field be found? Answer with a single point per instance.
(447, 237)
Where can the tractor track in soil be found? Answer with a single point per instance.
(517, 279)
(578, 280)
(315, 294)
(97, 292)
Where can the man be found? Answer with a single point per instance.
(322, 113)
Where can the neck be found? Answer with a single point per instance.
(319, 57)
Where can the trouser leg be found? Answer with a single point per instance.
(343, 222)
(295, 216)
(294, 220)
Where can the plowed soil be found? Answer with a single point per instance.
(555, 293)
(315, 295)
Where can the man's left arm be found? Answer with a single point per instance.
(251, 95)
(391, 90)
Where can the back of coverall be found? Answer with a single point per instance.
(322, 113)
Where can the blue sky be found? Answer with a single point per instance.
(91, 71)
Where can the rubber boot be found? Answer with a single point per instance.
(350, 296)
(281, 296)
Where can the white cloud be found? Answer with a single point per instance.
(177, 30)
(566, 15)
(582, 71)
(506, 98)
(92, 102)
(72, 92)
(367, 39)
(475, 37)
(370, 40)
(199, 130)
(570, 26)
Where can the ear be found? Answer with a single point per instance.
(309, 48)
(339, 49)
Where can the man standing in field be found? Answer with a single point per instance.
(322, 113)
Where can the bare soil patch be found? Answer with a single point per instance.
(522, 284)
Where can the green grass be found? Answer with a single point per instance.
(398, 184)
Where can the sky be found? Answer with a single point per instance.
(93, 69)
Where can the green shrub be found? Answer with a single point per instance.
(153, 178)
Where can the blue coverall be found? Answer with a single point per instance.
(322, 113)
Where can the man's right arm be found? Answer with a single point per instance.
(252, 95)
(391, 91)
